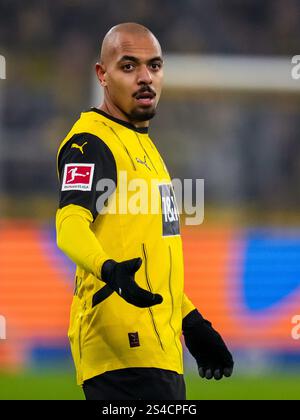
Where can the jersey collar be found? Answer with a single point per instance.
(142, 130)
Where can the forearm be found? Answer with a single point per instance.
(77, 241)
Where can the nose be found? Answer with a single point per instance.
(144, 75)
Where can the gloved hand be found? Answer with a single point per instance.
(120, 278)
(207, 346)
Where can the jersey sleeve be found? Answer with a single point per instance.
(187, 306)
(76, 239)
(82, 162)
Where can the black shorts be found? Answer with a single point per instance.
(136, 384)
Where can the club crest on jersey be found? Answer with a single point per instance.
(78, 176)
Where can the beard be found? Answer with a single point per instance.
(141, 114)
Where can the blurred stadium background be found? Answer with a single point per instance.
(239, 131)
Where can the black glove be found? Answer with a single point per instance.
(120, 278)
(207, 346)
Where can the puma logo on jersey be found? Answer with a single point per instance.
(77, 146)
(143, 162)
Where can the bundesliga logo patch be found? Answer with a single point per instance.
(78, 176)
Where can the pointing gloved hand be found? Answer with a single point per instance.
(207, 346)
(120, 278)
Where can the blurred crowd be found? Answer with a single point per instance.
(246, 151)
(227, 26)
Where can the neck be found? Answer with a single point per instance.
(115, 112)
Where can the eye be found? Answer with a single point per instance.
(155, 66)
(128, 67)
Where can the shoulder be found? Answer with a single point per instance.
(84, 146)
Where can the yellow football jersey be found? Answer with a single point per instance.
(107, 333)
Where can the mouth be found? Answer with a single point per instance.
(145, 98)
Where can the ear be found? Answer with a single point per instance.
(100, 71)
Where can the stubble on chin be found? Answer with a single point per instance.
(137, 115)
